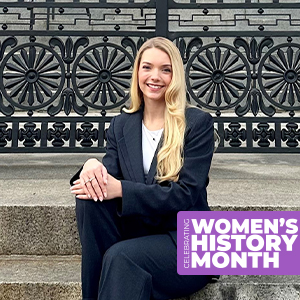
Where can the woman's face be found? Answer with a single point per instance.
(154, 74)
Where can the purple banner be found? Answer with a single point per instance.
(238, 243)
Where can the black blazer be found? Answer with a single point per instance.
(158, 204)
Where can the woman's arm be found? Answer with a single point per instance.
(93, 176)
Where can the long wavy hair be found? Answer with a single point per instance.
(170, 155)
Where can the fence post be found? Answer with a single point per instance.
(162, 21)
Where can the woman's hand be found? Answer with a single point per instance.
(93, 180)
(114, 189)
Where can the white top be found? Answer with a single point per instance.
(150, 140)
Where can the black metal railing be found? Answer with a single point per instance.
(65, 69)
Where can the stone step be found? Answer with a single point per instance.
(58, 278)
(37, 211)
(36, 277)
(37, 220)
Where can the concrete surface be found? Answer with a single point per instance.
(38, 230)
(58, 278)
(39, 246)
(37, 211)
(265, 180)
(259, 181)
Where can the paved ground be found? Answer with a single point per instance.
(235, 179)
(37, 222)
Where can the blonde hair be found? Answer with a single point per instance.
(170, 155)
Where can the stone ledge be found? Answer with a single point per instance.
(37, 209)
(58, 278)
(38, 230)
(52, 230)
(235, 179)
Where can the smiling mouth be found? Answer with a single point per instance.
(153, 86)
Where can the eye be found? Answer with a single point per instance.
(167, 70)
(146, 67)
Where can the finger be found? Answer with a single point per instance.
(104, 178)
(84, 179)
(98, 185)
(92, 187)
(76, 181)
(83, 197)
(78, 192)
(76, 187)
(104, 174)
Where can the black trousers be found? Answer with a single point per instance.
(126, 259)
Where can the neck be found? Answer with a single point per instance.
(154, 116)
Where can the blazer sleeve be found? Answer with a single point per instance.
(170, 197)
(110, 159)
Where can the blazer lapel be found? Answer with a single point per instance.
(133, 141)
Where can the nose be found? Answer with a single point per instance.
(155, 75)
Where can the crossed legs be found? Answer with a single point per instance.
(115, 267)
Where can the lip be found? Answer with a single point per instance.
(154, 87)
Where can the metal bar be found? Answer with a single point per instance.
(67, 149)
(171, 35)
(257, 150)
(72, 134)
(40, 119)
(102, 33)
(221, 132)
(101, 4)
(107, 119)
(15, 134)
(162, 22)
(44, 128)
(242, 6)
(249, 140)
(152, 4)
(101, 134)
(277, 135)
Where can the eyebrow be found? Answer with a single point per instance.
(165, 65)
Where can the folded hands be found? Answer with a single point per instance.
(96, 183)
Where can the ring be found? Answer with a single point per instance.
(89, 180)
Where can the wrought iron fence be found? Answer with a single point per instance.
(65, 69)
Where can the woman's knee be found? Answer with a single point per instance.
(118, 253)
(92, 208)
(131, 251)
(81, 207)
(84, 204)
(113, 253)
(89, 215)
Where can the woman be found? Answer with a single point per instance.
(156, 164)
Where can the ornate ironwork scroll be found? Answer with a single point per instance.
(65, 69)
